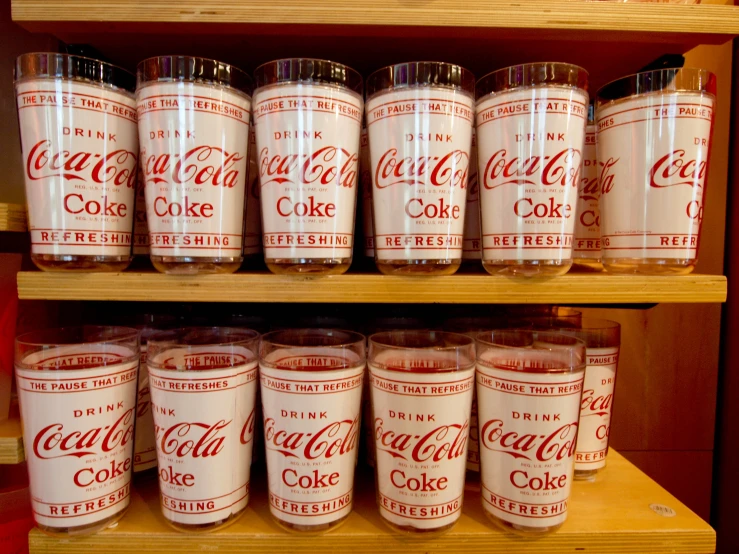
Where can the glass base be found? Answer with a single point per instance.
(206, 527)
(308, 266)
(587, 264)
(521, 530)
(318, 529)
(527, 268)
(410, 531)
(82, 530)
(649, 266)
(53, 262)
(186, 265)
(586, 474)
(418, 267)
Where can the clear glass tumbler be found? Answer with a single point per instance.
(311, 383)
(530, 136)
(654, 134)
(308, 118)
(529, 386)
(77, 392)
(203, 383)
(194, 119)
(421, 384)
(77, 119)
(419, 119)
(602, 340)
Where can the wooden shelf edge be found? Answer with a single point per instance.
(610, 515)
(13, 217)
(11, 441)
(372, 288)
(707, 19)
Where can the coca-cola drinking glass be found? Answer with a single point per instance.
(545, 317)
(77, 392)
(419, 118)
(586, 249)
(144, 450)
(77, 119)
(529, 386)
(253, 215)
(602, 340)
(653, 140)
(421, 384)
(530, 135)
(471, 326)
(203, 385)
(308, 117)
(472, 247)
(365, 180)
(311, 385)
(194, 118)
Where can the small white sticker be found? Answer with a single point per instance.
(664, 511)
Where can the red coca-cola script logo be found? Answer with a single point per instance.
(674, 169)
(142, 406)
(53, 442)
(202, 165)
(561, 169)
(473, 188)
(438, 171)
(247, 431)
(606, 175)
(254, 185)
(327, 165)
(337, 438)
(117, 167)
(366, 179)
(589, 188)
(198, 440)
(559, 444)
(595, 405)
(445, 442)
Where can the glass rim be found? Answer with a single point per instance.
(161, 338)
(454, 323)
(596, 323)
(520, 76)
(90, 69)
(465, 340)
(353, 337)
(631, 84)
(541, 335)
(594, 332)
(454, 76)
(182, 68)
(124, 334)
(307, 70)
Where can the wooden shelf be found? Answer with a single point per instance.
(610, 515)
(710, 20)
(371, 288)
(12, 217)
(610, 39)
(11, 441)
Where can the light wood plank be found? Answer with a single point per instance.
(371, 288)
(710, 20)
(11, 441)
(610, 515)
(12, 217)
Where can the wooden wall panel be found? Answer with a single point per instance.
(694, 492)
(726, 487)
